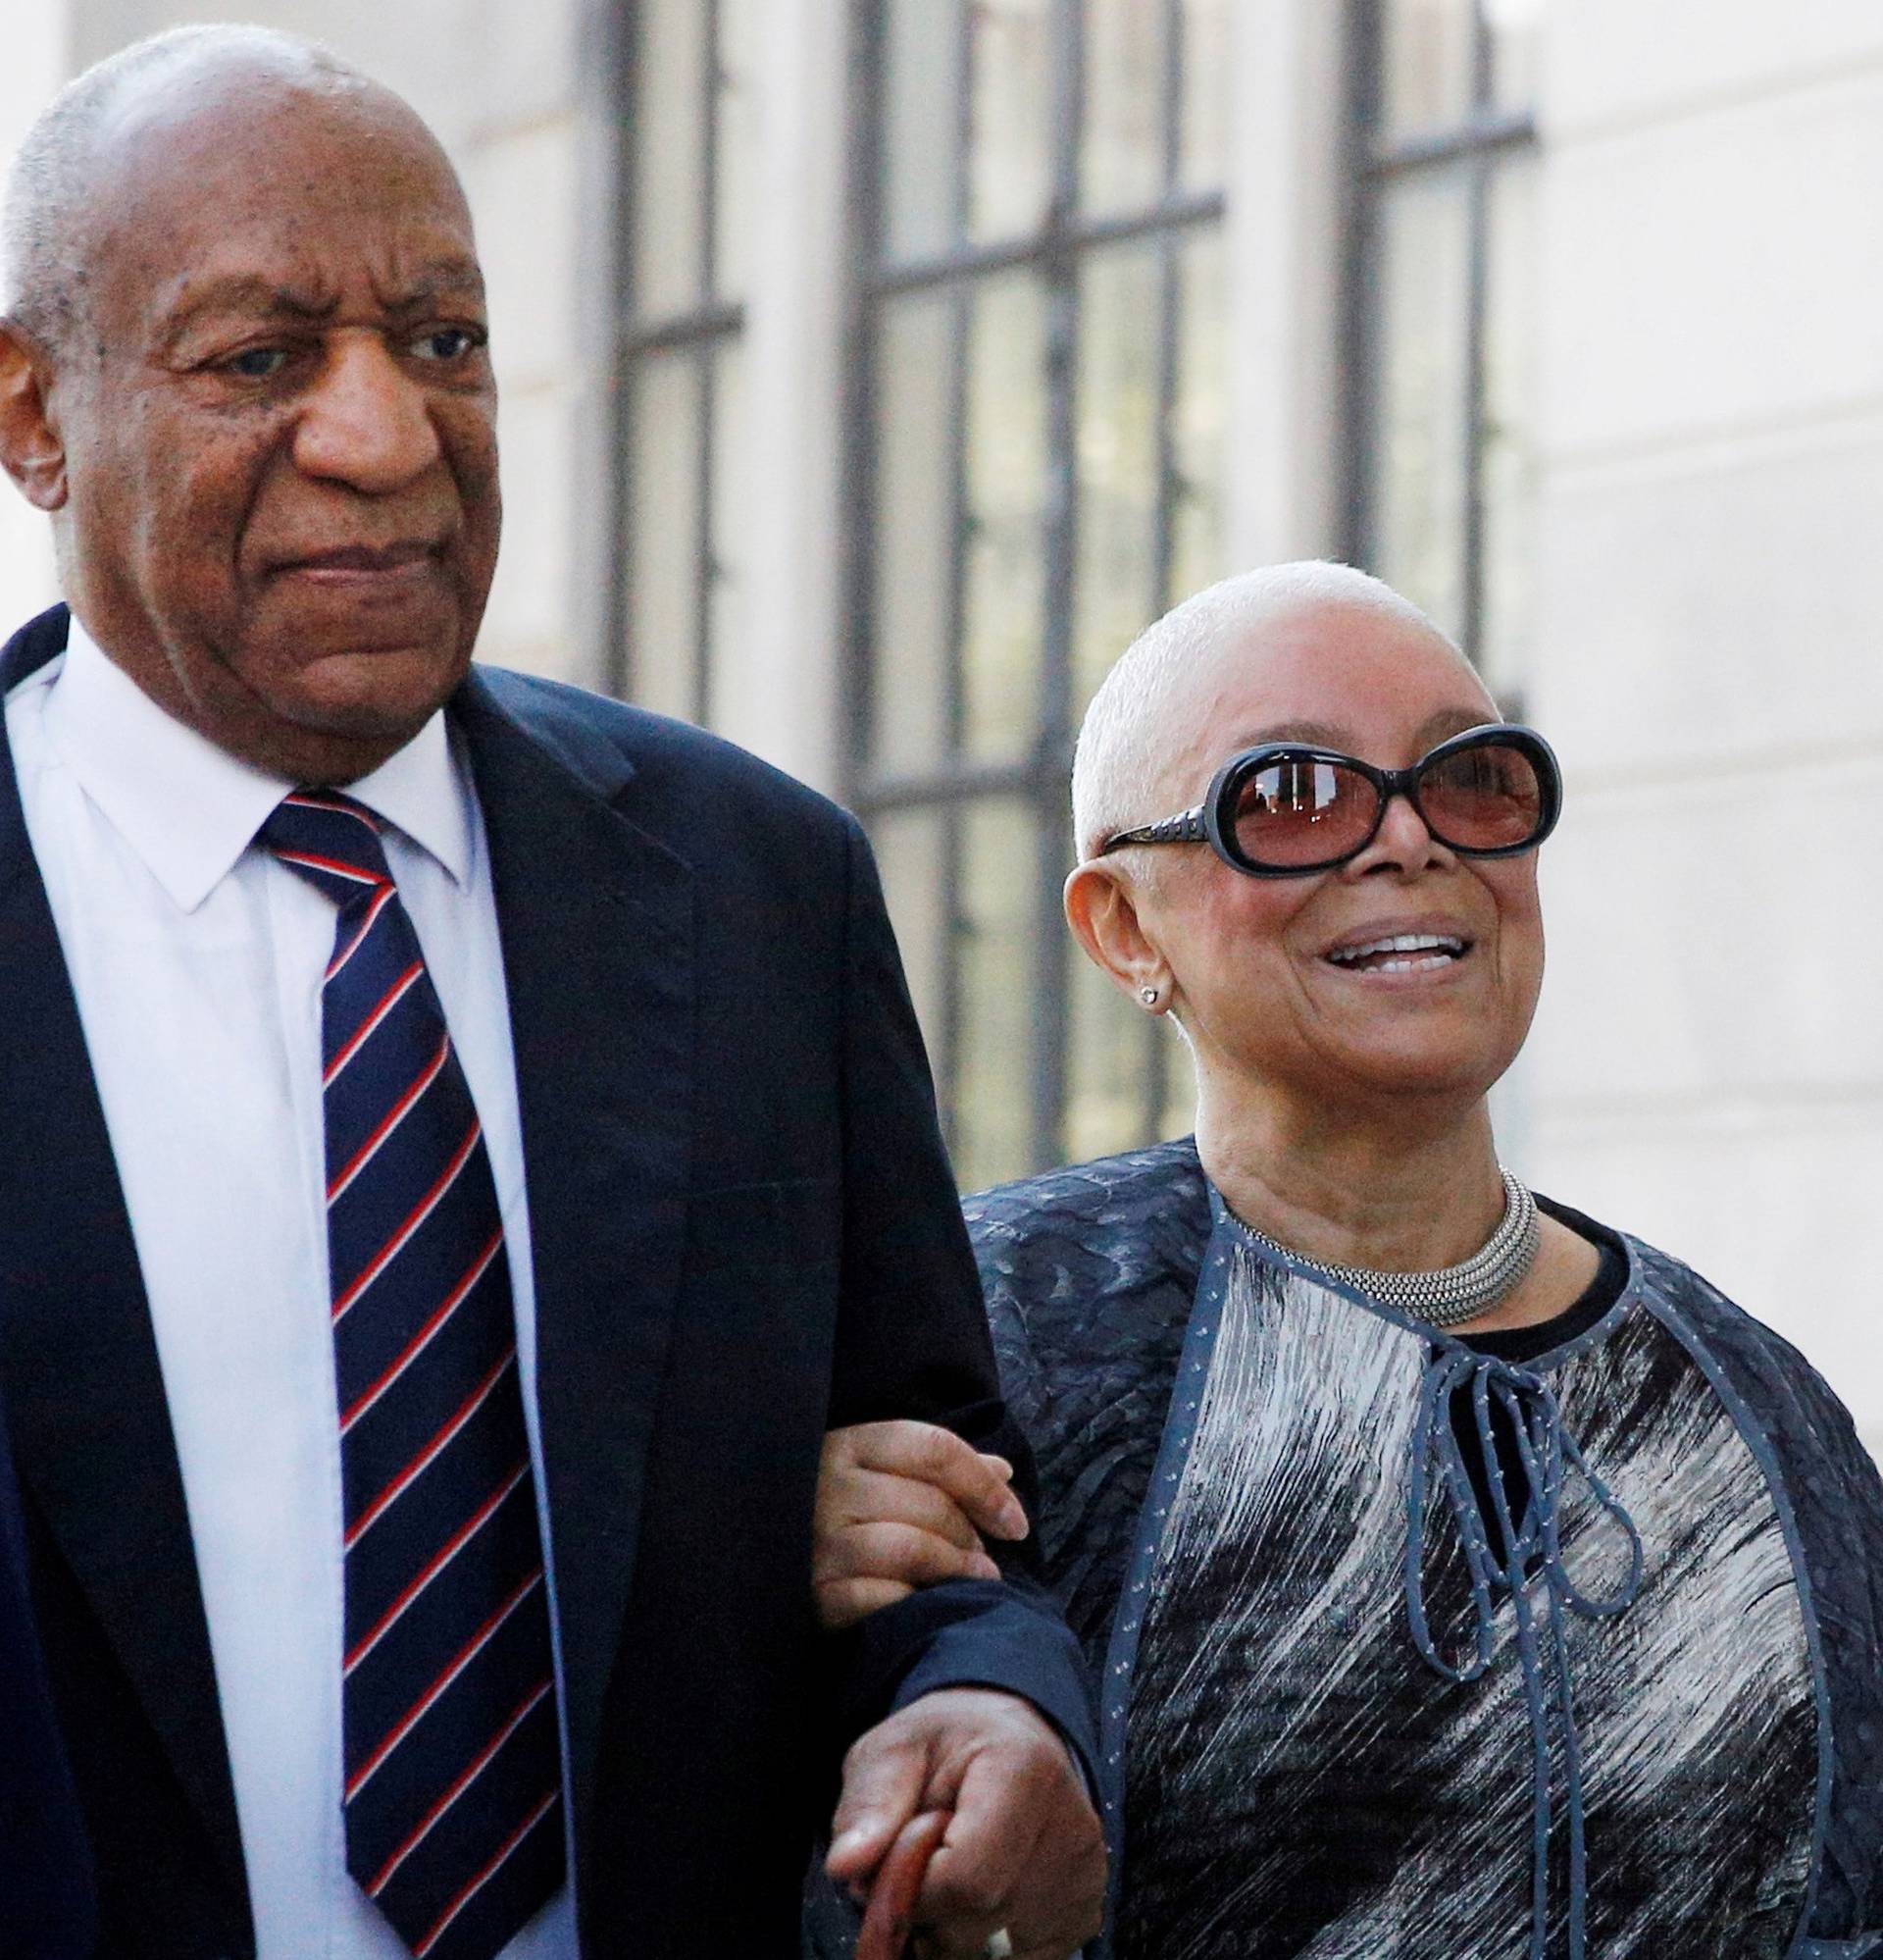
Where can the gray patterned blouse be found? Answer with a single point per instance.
(1348, 1715)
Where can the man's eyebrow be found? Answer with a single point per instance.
(268, 299)
(431, 281)
(246, 293)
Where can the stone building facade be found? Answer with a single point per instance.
(871, 369)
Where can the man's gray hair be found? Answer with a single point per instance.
(1123, 744)
(51, 186)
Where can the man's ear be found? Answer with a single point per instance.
(1103, 912)
(30, 449)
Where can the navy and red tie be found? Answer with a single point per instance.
(453, 1795)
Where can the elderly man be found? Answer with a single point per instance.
(462, 1141)
(1467, 1579)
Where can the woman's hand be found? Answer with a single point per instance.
(903, 1504)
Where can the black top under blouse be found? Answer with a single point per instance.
(1521, 1345)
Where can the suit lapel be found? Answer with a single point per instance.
(91, 1428)
(596, 924)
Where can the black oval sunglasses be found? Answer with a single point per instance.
(1281, 810)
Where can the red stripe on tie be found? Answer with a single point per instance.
(488, 1873)
(334, 866)
(465, 1534)
(429, 1454)
(397, 991)
(393, 1118)
(303, 801)
(428, 1700)
(423, 1829)
(426, 1207)
(417, 1344)
(380, 900)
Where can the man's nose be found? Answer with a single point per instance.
(366, 422)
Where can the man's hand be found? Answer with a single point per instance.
(901, 1505)
(1023, 1850)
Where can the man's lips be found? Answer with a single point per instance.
(347, 563)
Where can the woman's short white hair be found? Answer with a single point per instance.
(1117, 766)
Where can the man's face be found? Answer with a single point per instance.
(279, 425)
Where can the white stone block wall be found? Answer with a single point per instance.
(1707, 1068)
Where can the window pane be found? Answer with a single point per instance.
(1428, 61)
(1198, 418)
(1206, 70)
(912, 855)
(1006, 485)
(913, 540)
(726, 603)
(1122, 165)
(1114, 589)
(663, 597)
(1011, 175)
(669, 156)
(1419, 436)
(1509, 433)
(736, 106)
(993, 1110)
(922, 105)
(1108, 1067)
(1516, 29)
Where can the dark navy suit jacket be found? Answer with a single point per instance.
(744, 1232)
(46, 1910)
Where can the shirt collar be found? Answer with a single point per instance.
(189, 808)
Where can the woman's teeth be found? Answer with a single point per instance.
(1400, 952)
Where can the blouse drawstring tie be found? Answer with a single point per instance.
(1549, 1455)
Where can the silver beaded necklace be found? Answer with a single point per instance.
(1453, 1293)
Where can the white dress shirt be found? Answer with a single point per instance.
(197, 962)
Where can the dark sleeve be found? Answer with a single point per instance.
(1838, 1505)
(1837, 1502)
(46, 1910)
(912, 1341)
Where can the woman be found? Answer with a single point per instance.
(1464, 1580)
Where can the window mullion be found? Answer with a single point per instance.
(1155, 1075)
(1053, 978)
(1359, 282)
(958, 925)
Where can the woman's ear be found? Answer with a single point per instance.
(30, 449)
(1102, 911)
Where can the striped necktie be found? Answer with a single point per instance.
(453, 1771)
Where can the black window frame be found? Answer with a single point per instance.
(1482, 140)
(1057, 251)
(700, 328)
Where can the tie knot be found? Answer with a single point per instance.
(331, 841)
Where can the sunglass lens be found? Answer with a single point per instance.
(1489, 797)
(1294, 812)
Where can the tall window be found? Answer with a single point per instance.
(1438, 331)
(1034, 472)
(686, 179)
